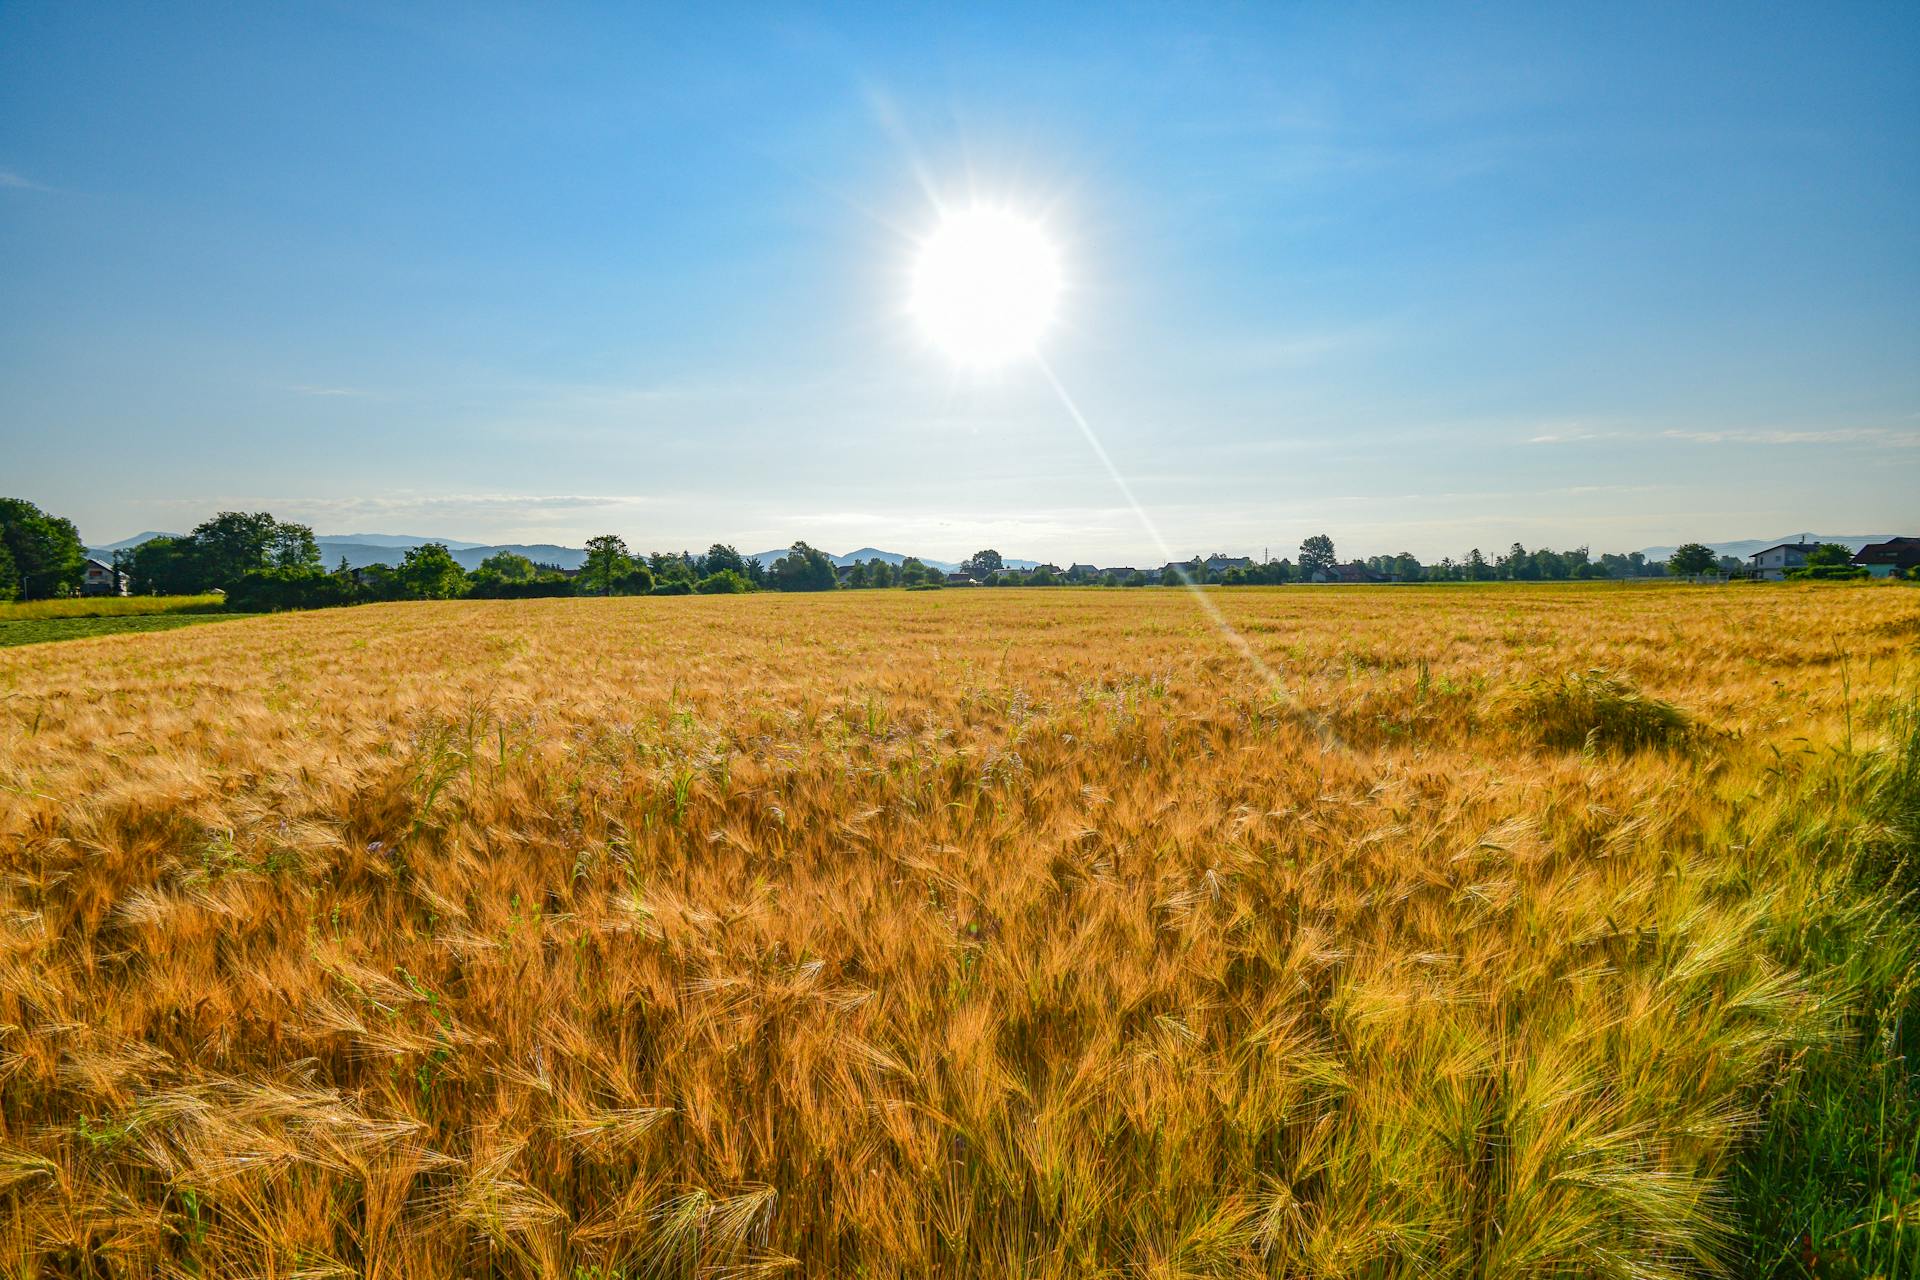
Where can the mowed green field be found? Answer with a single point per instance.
(39, 621)
(40, 630)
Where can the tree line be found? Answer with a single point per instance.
(261, 563)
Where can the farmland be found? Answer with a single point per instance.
(41, 621)
(1505, 932)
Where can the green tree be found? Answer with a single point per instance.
(429, 572)
(48, 559)
(9, 574)
(721, 558)
(804, 568)
(229, 545)
(636, 581)
(1316, 556)
(291, 546)
(1830, 560)
(982, 565)
(1692, 558)
(607, 563)
(670, 566)
(165, 567)
(506, 566)
(289, 587)
(727, 582)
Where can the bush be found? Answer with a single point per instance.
(724, 583)
(538, 588)
(636, 580)
(673, 587)
(299, 587)
(1592, 708)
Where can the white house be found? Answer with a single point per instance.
(1772, 564)
(102, 579)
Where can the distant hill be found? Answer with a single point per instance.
(127, 544)
(401, 540)
(1745, 547)
(891, 557)
(363, 549)
(359, 554)
(538, 552)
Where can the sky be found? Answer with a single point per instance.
(1419, 277)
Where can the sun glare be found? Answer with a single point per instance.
(986, 286)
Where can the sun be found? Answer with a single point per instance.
(986, 286)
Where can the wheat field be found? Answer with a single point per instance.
(993, 933)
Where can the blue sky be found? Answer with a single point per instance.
(1419, 278)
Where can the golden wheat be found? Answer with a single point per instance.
(949, 934)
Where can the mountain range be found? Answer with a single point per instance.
(891, 557)
(363, 549)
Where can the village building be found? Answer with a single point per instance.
(103, 579)
(1771, 565)
(1883, 559)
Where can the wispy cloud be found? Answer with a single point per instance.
(353, 392)
(1571, 435)
(1837, 435)
(17, 182)
(1881, 437)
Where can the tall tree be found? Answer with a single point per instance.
(804, 568)
(291, 546)
(505, 566)
(9, 574)
(429, 572)
(230, 544)
(166, 567)
(1690, 558)
(607, 562)
(1316, 556)
(982, 565)
(720, 558)
(48, 559)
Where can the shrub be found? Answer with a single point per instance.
(724, 583)
(502, 589)
(673, 587)
(297, 587)
(1829, 573)
(1592, 708)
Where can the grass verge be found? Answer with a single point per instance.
(1831, 1186)
(41, 630)
(109, 607)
